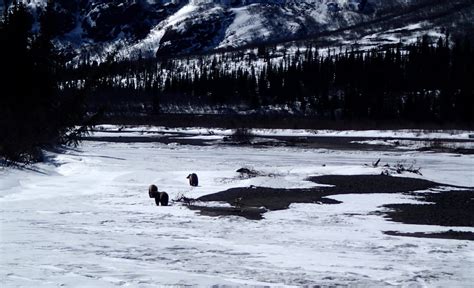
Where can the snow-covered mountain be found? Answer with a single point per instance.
(171, 27)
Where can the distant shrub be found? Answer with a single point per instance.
(242, 135)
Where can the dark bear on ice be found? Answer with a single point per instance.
(160, 197)
(193, 179)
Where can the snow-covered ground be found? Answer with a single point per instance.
(84, 219)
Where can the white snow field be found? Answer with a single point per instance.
(84, 219)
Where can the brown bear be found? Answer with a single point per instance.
(193, 179)
(152, 190)
(160, 197)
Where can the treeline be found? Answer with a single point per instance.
(33, 112)
(422, 82)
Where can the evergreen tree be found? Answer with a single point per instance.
(32, 113)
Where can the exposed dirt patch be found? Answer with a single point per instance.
(453, 208)
(372, 184)
(251, 213)
(453, 235)
(270, 198)
(447, 208)
(278, 199)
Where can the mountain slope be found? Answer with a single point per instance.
(174, 27)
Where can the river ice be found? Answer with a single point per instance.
(84, 219)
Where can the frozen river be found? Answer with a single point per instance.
(84, 219)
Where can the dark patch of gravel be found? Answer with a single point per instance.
(251, 213)
(270, 198)
(453, 235)
(452, 208)
(278, 199)
(447, 208)
(354, 184)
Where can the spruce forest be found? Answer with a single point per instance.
(424, 82)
